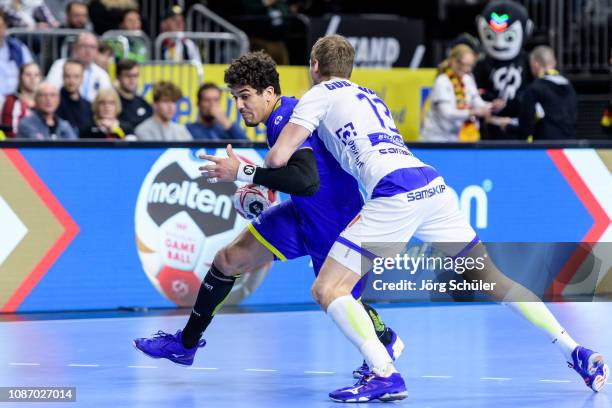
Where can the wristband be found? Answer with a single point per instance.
(246, 172)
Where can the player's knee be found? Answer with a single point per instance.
(317, 292)
(322, 294)
(227, 260)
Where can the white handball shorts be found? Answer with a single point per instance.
(428, 212)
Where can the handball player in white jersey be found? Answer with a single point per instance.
(406, 198)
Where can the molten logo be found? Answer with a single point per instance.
(173, 191)
(188, 194)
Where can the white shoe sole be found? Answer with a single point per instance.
(159, 358)
(385, 398)
(599, 382)
(394, 397)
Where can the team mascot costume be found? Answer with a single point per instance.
(503, 27)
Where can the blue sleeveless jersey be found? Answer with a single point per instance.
(324, 215)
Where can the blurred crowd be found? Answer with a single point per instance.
(76, 98)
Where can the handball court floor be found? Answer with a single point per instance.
(477, 355)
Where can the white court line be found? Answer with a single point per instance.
(319, 372)
(83, 365)
(555, 381)
(24, 364)
(437, 376)
(202, 368)
(259, 370)
(142, 366)
(496, 378)
(177, 317)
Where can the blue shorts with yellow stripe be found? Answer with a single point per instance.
(279, 230)
(282, 231)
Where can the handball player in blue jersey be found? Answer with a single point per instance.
(324, 200)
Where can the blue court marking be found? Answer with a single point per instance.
(469, 356)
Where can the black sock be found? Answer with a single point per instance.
(382, 332)
(211, 295)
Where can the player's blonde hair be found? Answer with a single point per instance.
(335, 56)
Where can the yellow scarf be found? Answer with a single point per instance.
(469, 132)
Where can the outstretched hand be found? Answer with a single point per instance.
(223, 168)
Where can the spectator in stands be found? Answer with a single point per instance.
(213, 124)
(548, 109)
(19, 105)
(131, 20)
(134, 108)
(77, 16)
(454, 100)
(106, 108)
(177, 49)
(107, 14)
(160, 125)
(43, 123)
(137, 48)
(73, 107)
(13, 54)
(268, 24)
(30, 14)
(105, 55)
(95, 78)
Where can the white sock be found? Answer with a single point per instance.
(538, 314)
(352, 319)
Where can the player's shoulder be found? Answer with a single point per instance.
(329, 88)
(282, 112)
(279, 117)
(336, 86)
(316, 91)
(286, 103)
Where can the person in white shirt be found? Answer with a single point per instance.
(13, 54)
(94, 78)
(455, 104)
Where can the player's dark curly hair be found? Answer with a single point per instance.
(254, 69)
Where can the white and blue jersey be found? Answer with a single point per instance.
(357, 128)
(406, 197)
(308, 225)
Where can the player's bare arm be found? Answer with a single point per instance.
(291, 137)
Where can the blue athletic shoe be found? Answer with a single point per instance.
(591, 367)
(394, 348)
(372, 387)
(170, 346)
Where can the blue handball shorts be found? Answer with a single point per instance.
(280, 230)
